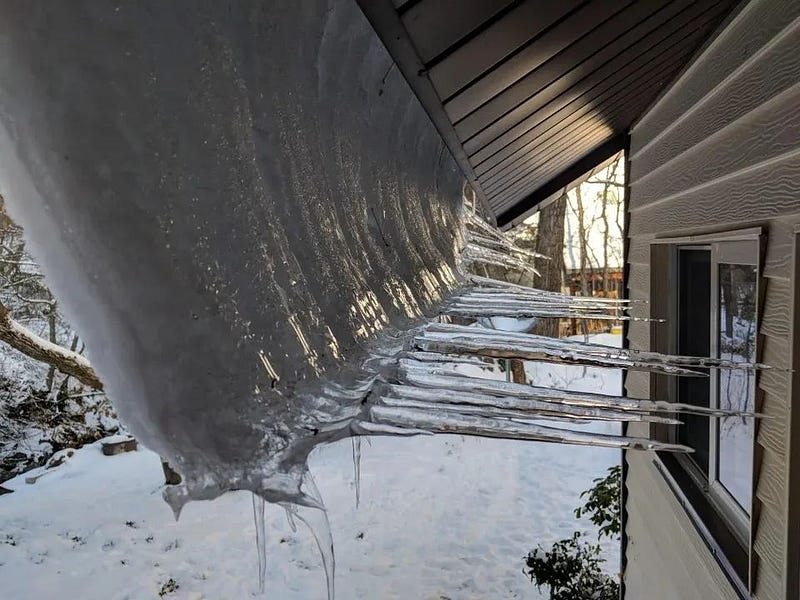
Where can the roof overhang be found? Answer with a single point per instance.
(530, 94)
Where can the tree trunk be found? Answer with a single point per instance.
(517, 368)
(550, 241)
(38, 348)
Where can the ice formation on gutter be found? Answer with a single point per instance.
(258, 245)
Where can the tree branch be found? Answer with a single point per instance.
(38, 348)
(606, 182)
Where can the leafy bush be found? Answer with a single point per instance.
(571, 569)
(602, 505)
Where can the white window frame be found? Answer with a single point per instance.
(740, 252)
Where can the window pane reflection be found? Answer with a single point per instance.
(737, 342)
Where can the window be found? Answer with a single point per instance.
(716, 316)
(706, 289)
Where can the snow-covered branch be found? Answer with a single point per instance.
(38, 348)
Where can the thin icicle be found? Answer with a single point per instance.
(455, 359)
(439, 422)
(477, 254)
(367, 428)
(482, 302)
(317, 522)
(503, 246)
(487, 233)
(531, 311)
(493, 287)
(259, 506)
(356, 446)
(539, 296)
(290, 513)
(478, 223)
(512, 297)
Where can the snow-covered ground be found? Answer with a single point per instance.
(441, 517)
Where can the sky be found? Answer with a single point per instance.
(591, 194)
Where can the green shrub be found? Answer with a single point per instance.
(571, 568)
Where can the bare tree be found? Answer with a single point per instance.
(583, 241)
(609, 182)
(24, 293)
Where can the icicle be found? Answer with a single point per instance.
(473, 295)
(454, 359)
(439, 422)
(502, 345)
(317, 522)
(502, 246)
(526, 311)
(530, 302)
(367, 428)
(290, 512)
(493, 288)
(478, 223)
(506, 394)
(508, 407)
(261, 540)
(449, 339)
(356, 445)
(488, 235)
(477, 254)
(488, 285)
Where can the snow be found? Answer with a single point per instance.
(509, 323)
(440, 517)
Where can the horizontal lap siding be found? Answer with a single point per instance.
(661, 536)
(721, 151)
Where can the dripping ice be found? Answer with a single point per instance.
(259, 506)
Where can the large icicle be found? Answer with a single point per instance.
(509, 407)
(449, 422)
(528, 310)
(455, 339)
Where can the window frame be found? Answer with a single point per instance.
(737, 252)
(717, 517)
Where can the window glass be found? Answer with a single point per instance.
(694, 339)
(736, 388)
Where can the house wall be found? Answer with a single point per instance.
(721, 151)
